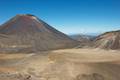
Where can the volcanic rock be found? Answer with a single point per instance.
(108, 40)
(27, 32)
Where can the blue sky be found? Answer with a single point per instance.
(68, 16)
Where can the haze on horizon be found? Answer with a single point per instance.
(70, 17)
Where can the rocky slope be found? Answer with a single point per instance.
(108, 40)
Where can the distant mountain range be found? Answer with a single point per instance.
(81, 37)
(85, 40)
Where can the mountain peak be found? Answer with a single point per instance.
(34, 34)
(28, 16)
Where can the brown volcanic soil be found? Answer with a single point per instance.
(69, 64)
(27, 32)
(108, 40)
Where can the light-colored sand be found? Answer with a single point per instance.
(87, 55)
(12, 56)
(67, 64)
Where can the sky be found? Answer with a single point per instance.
(68, 16)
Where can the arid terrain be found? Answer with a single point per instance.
(30, 49)
(65, 64)
(60, 40)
